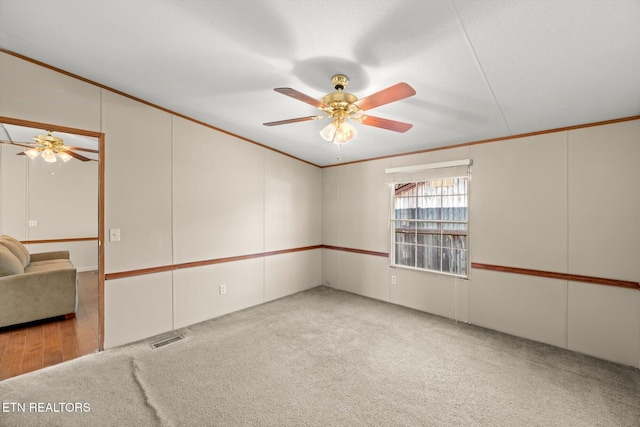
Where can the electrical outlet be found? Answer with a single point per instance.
(33, 223)
(393, 280)
(223, 289)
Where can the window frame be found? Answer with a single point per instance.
(440, 222)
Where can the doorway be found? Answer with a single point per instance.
(53, 206)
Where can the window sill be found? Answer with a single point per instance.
(431, 272)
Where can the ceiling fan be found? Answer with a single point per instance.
(340, 106)
(50, 148)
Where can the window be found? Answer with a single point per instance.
(430, 218)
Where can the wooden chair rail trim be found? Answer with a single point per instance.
(356, 251)
(480, 266)
(73, 239)
(172, 267)
(561, 276)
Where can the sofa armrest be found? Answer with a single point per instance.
(38, 295)
(45, 256)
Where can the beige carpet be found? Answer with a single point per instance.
(328, 358)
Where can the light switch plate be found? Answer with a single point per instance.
(114, 234)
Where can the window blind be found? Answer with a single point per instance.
(426, 172)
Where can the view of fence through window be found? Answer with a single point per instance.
(430, 224)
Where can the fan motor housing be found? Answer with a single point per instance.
(339, 98)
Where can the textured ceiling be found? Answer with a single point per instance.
(481, 69)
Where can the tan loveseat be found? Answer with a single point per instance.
(34, 286)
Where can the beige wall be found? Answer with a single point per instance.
(137, 184)
(180, 192)
(564, 202)
(28, 92)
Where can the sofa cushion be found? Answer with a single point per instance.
(9, 263)
(48, 265)
(26, 257)
(51, 255)
(15, 250)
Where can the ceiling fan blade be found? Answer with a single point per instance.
(387, 124)
(89, 150)
(77, 156)
(299, 119)
(17, 143)
(300, 96)
(30, 145)
(393, 93)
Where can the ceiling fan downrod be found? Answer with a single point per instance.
(339, 81)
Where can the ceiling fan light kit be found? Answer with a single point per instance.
(50, 148)
(340, 106)
(338, 135)
(32, 153)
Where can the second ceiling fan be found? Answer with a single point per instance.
(50, 148)
(340, 106)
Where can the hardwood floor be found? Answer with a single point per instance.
(40, 344)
